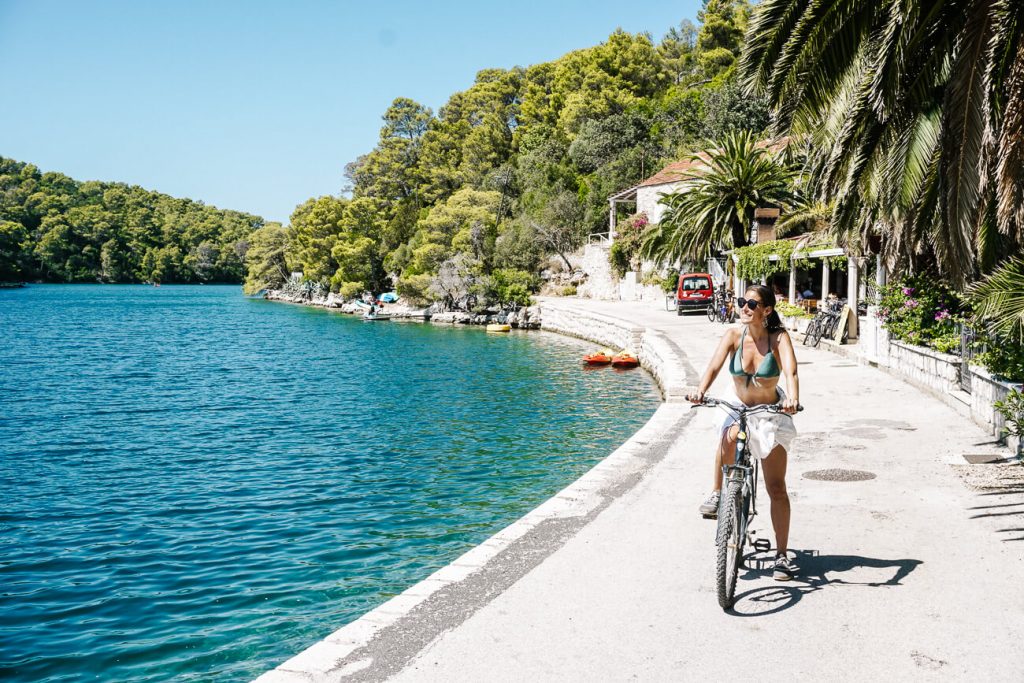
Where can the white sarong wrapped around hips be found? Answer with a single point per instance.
(765, 430)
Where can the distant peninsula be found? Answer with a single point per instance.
(57, 229)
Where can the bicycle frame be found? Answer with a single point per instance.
(738, 501)
(743, 467)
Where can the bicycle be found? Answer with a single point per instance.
(737, 505)
(721, 309)
(825, 323)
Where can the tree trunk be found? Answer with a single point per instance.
(739, 235)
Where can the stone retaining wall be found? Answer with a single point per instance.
(657, 355)
(938, 374)
(925, 368)
(985, 391)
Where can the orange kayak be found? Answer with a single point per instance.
(599, 358)
(625, 360)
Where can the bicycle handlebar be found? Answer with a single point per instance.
(767, 407)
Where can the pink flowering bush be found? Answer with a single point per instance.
(922, 311)
(625, 252)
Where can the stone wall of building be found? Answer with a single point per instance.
(647, 200)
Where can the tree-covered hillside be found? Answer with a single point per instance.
(57, 229)
(517, 167)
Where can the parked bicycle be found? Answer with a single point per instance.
(737, 505)
(722, 308)
(825, 323)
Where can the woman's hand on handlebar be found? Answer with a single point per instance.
(695, 395)
(790, 406)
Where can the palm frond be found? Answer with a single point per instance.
(963, 135)
(714, 206)
(1010, 166)
(1000, 299)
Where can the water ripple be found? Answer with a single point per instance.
(198, 485)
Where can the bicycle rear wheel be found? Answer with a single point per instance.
(712, 312)
(730, 543)
(812, 329)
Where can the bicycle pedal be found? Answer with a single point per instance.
(762, 545)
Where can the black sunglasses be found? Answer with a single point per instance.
(748, 303)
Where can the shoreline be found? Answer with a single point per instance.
(525, 318)
(382, 641)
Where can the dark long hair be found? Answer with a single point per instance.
(768, 297)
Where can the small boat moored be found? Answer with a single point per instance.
(370, 316)
(497, 327)
(625, 360)
(598, 358)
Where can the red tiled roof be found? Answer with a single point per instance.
(678, 170)
(674, 172)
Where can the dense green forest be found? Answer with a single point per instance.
(515, 168)
(57, 229)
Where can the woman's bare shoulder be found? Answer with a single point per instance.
(781, 337)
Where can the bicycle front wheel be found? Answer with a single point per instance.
(730, 543)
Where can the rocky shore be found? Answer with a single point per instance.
(527, 318)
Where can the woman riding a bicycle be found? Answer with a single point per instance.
(758, 352)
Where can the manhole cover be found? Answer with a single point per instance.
(839, 475)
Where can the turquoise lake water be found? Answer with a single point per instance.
(197, 486)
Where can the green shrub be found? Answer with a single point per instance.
(509, 286)
(350, 290)
(788, 310)
(670, 282)
(415, 288)
(651, 277)
(569, 290)
(1012, 410)
(618, 259)
(1002, 358)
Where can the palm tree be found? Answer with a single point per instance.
(917, 111)
(715, 205)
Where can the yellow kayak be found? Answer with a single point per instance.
(495, 327)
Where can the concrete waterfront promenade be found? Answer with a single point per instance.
(910, 575)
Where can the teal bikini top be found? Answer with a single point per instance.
(769, 367)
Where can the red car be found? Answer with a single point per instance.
(694, 292)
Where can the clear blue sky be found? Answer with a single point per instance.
(257, 106)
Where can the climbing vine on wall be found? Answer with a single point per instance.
(755, 262)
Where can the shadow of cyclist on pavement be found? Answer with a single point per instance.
(816, 573)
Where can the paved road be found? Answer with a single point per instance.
(907, 576)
